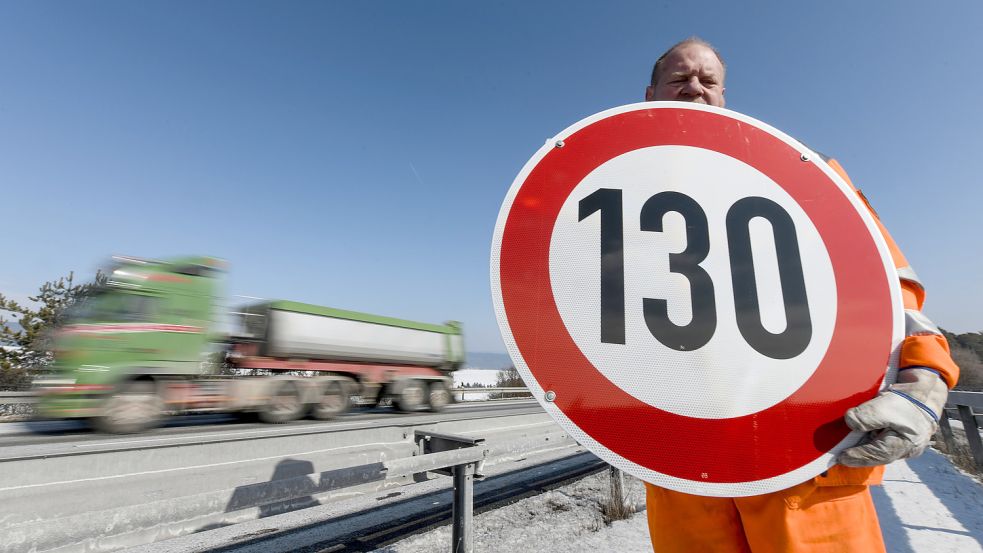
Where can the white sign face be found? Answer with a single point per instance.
(715, 182)
(700, 295)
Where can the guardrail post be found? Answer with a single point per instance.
(462, 525)
(462, 534)
(946, 429)
(618, 506)
(972, 434)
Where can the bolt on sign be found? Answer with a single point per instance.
(695, 296)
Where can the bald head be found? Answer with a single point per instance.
(690, 71)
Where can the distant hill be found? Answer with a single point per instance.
(487, 360)
(969, 340)
(967, 352)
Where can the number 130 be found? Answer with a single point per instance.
(784, 345)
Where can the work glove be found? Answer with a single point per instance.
(900, 420)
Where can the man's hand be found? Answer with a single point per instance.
(901, 419)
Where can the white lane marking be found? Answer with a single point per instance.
(258, 433)
(201, 436)
(195, 467)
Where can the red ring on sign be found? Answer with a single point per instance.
(788, 435)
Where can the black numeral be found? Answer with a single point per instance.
(798, 329)
(701, 327)
(608, 202)
(784, 345)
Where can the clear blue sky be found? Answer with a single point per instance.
(356, 154)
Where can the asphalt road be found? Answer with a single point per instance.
(64, 485)
(71, 432)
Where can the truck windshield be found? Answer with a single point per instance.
(115, 307)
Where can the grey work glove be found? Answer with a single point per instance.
(901, 420)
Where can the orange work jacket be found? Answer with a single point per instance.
(923, 346)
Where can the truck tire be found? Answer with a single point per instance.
(134, 407)
(412, 397)
(332, 401)
(440, 396)
(284, 404)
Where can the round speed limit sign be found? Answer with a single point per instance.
(695, 297)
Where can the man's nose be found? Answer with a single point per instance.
(692, 87)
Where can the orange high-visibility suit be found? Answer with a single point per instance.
(833, 512)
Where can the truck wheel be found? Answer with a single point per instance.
(439, 396)
(412, 396)
(284, 404)
(333, 402)
(133, 408)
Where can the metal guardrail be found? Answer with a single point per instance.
(10, 398)
(101, 494)
(511, 390)
(962, 404)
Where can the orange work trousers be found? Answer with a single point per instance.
(804, 518)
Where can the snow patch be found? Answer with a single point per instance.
(469, 377)
(485, 377)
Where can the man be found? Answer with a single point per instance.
(834, 511)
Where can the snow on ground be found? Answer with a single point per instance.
(484, 377)
(566, 519)
(925, 506)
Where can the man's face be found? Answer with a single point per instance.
(691, 73)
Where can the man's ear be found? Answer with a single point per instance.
(649, 93)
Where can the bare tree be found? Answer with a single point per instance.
(508, 378)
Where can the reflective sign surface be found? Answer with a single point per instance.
(703, 295)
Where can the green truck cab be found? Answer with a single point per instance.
(142, 347)
(150, 319)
